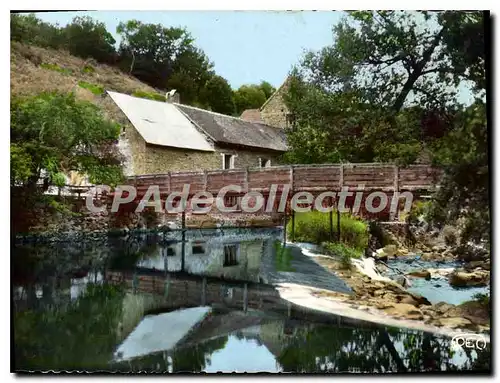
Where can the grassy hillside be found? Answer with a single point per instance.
(34, 70)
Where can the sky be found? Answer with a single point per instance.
(245, 46)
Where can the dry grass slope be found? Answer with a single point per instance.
(30, 74)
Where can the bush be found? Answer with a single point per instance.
(483, 299)
(345, 253)
(419, 208)
(94, 88)
(450, 236)
(88, 69)
(149, 95)
(314, 227)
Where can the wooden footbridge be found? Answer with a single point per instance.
(316, 179)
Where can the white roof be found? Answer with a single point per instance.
(160, 332)
(160, 123)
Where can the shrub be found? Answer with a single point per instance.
(94, 88)
(450, 235)
(483, 300)
(88, 69)
(345, 253)
(314, 227)
(149, 95)
(55, 67)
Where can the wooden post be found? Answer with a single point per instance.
(338, 223)
(245, 181)
(204, 291)
(183, 256)
(284, 227)
(331, 218)
(395, 214)
(135, 282)
(167, 285)
(245, 298)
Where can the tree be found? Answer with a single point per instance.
(52, 134)
(149, 51)
(249, 97)
(191, 71)
(267, 88)
(86, 37)
(464, 189)
(29, 29)
(395, 58)
(464, 38)
(218, 95)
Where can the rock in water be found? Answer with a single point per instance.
(421, 274)
(464, 279)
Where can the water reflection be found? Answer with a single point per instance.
(75, 304)
(284, 346)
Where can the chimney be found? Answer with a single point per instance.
(173, 97)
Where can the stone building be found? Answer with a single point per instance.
(160, 137)
(273, 112)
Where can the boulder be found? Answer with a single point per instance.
(401, 280)
(443, 307)
(471, 252)
(409, 300)
(464, 279)
(453, 322)
(477, 264)
(405, 310)
(421, 274)
(421, 300)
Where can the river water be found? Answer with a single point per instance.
(203, 304)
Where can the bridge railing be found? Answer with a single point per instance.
(332, 177)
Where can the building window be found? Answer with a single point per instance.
(198, 248)
(171, 251)
(290, 120)
(230, 255)
(227, 161)
(265, 162)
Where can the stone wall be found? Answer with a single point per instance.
(275, 111)
(153, 159)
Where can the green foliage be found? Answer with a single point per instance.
(86, 37)
(249, 97)
(464, 191)
(54, 133)
(149, 95)
(164, 58)
(94, 88)
(191, 72)
(267, 88)
(20, 164)
(80, 337)
(345, 253)
(218, 94)
(283, 257)
(149, 51)
(29, 29)
(89, 69)
(55, 67)
(483, 299)
(314, 227)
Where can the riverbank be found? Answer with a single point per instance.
(378, 299)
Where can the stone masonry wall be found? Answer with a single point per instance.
(160, 160)
(275, 111)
